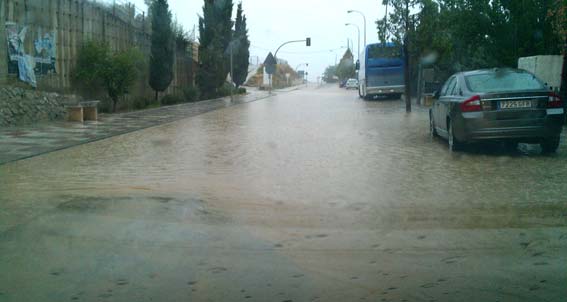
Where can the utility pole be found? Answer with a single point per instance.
(385, 35)
(406, 58)
(358, 29)
(231, 75)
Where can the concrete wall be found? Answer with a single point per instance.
(56, 29)
(546, 68)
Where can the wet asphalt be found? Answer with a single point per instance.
(312, 195)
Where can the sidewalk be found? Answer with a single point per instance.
(18, 143)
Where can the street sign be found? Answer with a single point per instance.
(270, 64)
(270, 69)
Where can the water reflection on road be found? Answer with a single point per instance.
(308, 196)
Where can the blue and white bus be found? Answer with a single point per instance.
(381, 71)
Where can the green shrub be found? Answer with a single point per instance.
(105, 105)
(241, 90)
(141, 103)
(225, 90)
(171, 100)
(192, 94)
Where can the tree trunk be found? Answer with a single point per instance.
(156, 96)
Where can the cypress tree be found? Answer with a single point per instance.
(161, 57)
(215, 34)
(242, 55)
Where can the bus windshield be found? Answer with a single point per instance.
(384, 52)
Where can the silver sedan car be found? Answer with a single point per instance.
(508, 105)
(352, 84)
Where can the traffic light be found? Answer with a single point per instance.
(308, 42)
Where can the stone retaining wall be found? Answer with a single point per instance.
(22, 106)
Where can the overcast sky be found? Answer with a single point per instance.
(272, 22)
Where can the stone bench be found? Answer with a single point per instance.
(84, 111)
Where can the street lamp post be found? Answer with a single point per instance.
(363, 17)
(307, 41)
(230, 51)
(358, 29)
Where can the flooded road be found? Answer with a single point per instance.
(312, 195)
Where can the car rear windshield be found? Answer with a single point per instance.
(503, 81)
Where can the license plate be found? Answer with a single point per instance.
(515, 104)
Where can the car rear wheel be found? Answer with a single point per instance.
(550, 145)
(454, 144)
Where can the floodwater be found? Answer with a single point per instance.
(312, 195)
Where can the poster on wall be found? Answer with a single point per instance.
(15, 46)
(42, 59)
(44, 53)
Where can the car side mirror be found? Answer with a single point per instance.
(357, 65)
(436, 95)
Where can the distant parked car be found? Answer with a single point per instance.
(352, 84)
(508, 105)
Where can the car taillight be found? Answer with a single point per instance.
(554, 101)
(472, 104)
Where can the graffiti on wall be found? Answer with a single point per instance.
(26, 65)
